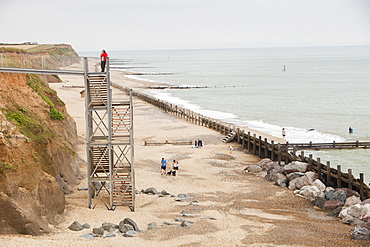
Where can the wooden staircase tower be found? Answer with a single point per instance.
(109, 144)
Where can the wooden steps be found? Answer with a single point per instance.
(230, 137)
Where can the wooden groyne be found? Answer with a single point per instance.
(333, 145)
(175, 87)
(147, 143)
(263, 148)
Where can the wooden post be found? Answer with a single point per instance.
(238, 135)
(254, 144)
(302, 156)
(260, 146)
(362, 194)
(286, 153)
(350, 179)
(272, 150)
(339, 176)
(266, 149)
(249, 141)
(319, 169)
(279, 153)
(294, 151)
(243, 139)
(310, 162)
(328, 173)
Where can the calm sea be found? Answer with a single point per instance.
(326, 89)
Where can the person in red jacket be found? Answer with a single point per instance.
(103, 60)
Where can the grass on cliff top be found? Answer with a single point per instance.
(53, 50)
(11, 50)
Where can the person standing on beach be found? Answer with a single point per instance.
(230, 150)
(175, 165)
(163, 166)
(283, 132)
(103, 60)
(200, 143)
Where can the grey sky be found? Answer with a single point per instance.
(90, 25)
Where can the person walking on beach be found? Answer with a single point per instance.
(163, 166)
(283, 132)
(103, 60)
(350, 130)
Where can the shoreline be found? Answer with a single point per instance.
(143, 85)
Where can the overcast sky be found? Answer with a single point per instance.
(90, 25)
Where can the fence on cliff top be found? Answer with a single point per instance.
(262, 147)
(43, 61)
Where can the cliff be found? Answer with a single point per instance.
(38, 164)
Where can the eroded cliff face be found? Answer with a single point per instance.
(38, 162)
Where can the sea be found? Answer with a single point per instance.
(315, 93)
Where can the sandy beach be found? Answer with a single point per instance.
(228, 206)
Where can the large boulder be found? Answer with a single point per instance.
(360, 233)
(298, 183)
(329, 194)
(352, 201)
(320, 185)
(76, 226)
(335, 211)
(352, 212)
(319, 202)
(125, 227)
(332, 205)
(349, 192)
(339, 195)
(263, 163)
(262, 174)
(131, 222)
(151, 191)
(312, 175)
(294, 175)
(253, 169)
(98, 231)
(109, 227)
(281, 180)
(367, 201)
(273, 175)
(311, 192)
(295, 166)
(273, 166)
